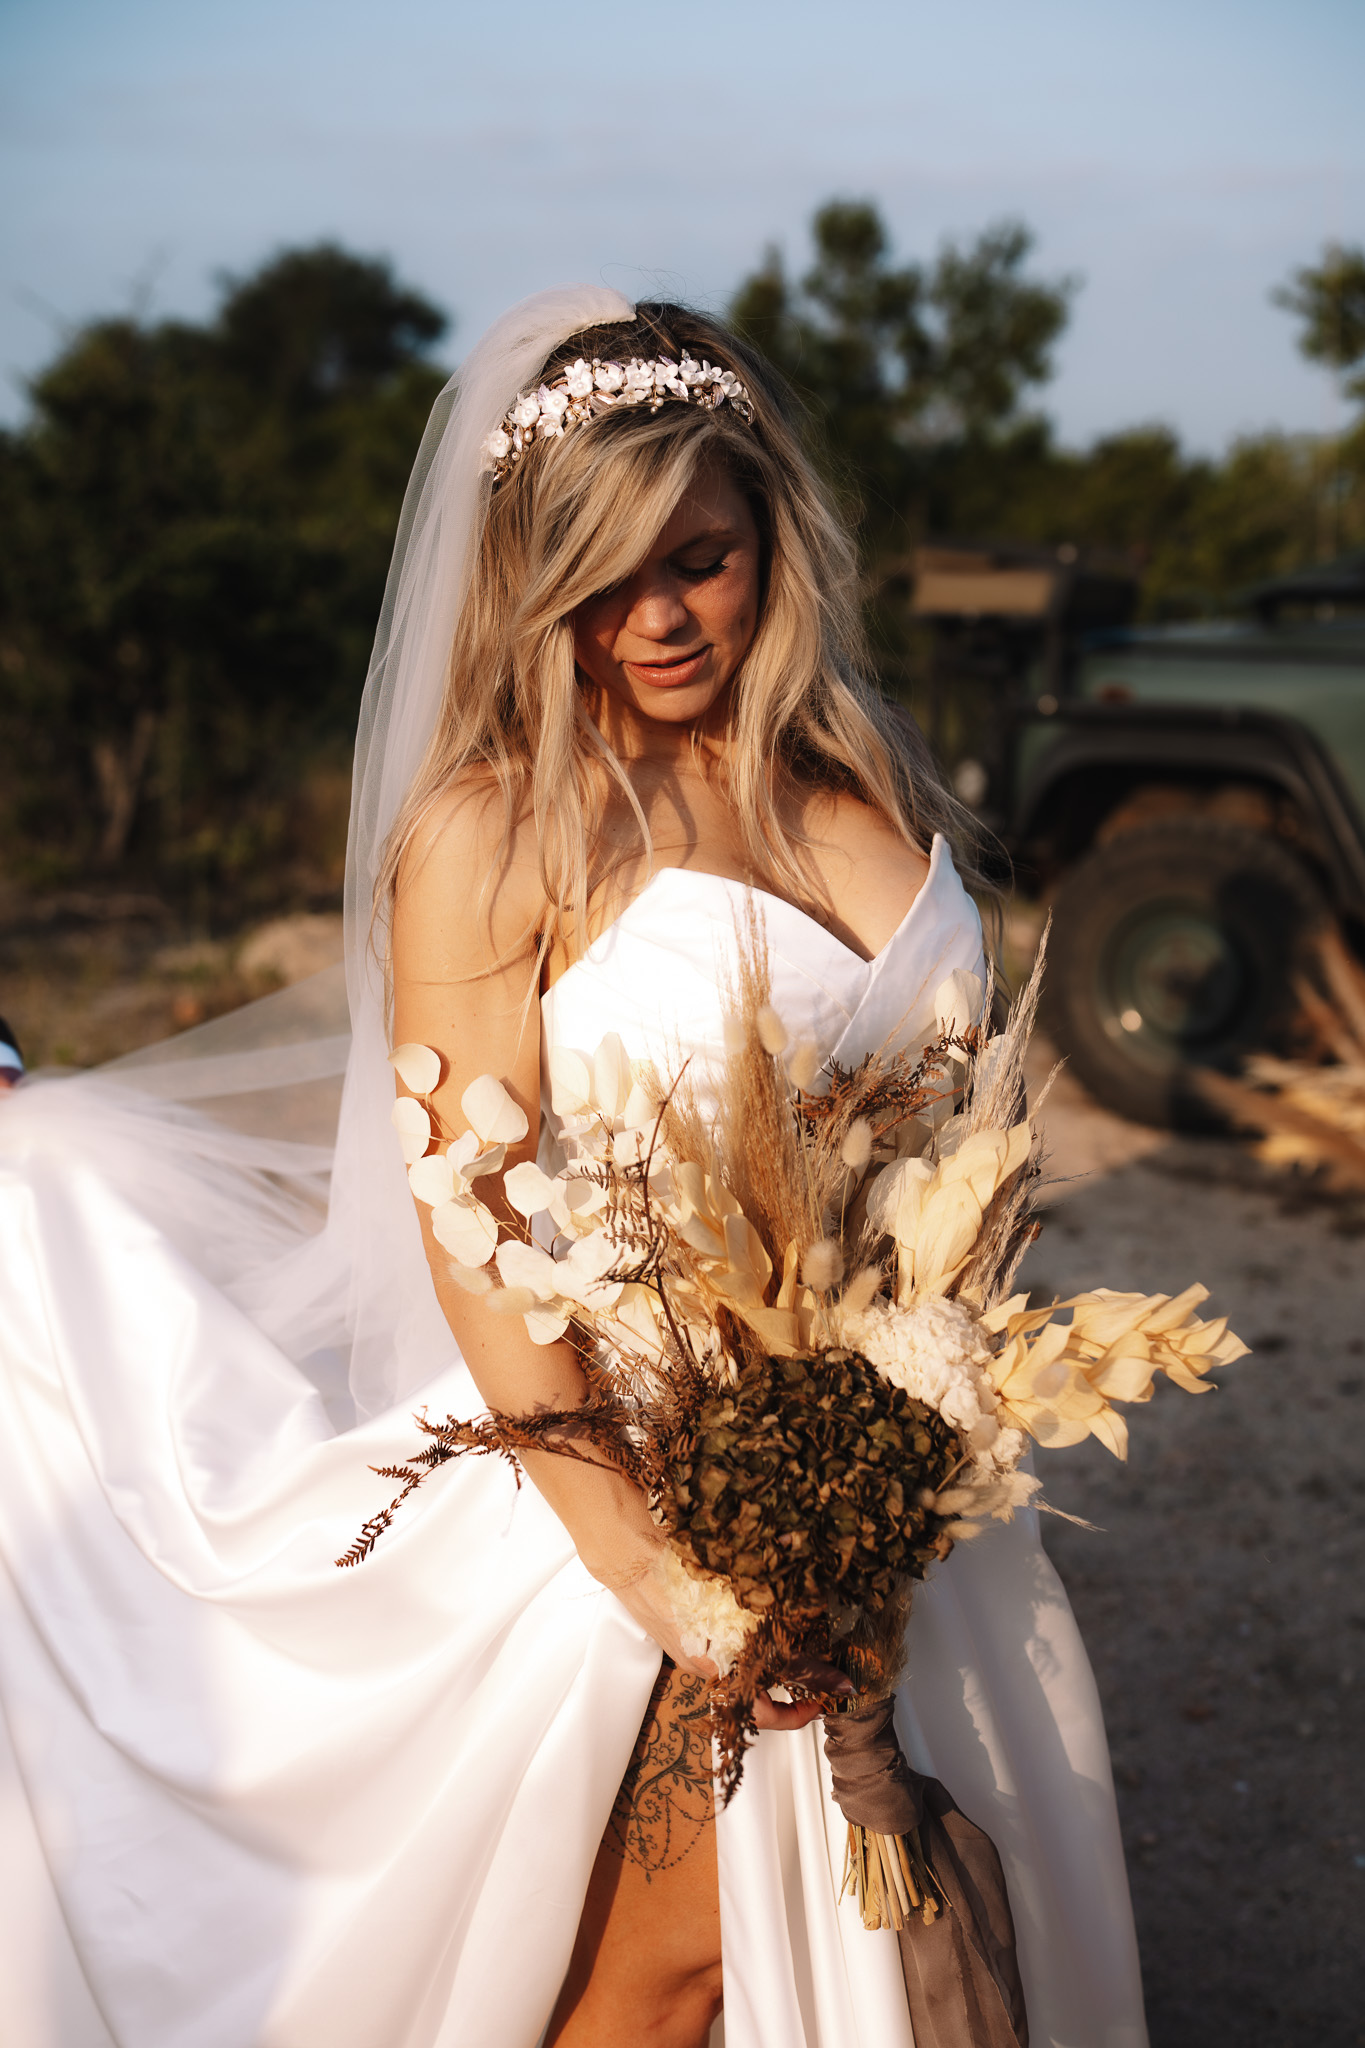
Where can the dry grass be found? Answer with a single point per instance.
(1311, 1111)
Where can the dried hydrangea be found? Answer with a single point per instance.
(805, 1484)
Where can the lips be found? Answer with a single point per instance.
(667, 675)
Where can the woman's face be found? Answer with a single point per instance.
(665, 643)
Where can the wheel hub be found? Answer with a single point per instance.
(1172, 982)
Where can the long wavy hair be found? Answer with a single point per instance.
(578, 515)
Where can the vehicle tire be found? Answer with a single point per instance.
(1174, 947)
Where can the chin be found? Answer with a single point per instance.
(682, 706)
(683, 710)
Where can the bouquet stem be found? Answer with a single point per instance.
(917, 1866)
(889, 1878)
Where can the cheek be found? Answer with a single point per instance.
(737, 606)
(593, 632)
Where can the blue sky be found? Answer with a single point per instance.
(1179, 158)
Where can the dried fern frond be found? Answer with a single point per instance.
(602, 1423)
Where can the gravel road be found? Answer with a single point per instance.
(1224, 1606)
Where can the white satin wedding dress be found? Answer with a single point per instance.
(248, 1800)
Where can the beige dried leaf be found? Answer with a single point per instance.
(417, 1067)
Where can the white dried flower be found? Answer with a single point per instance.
(711, 1622)
(937, 1351)
(861, 1291)
(823, 1265)
(804, 1066)
(856, 1149)
(584, 389)
(773, 1035)
(473, 1279)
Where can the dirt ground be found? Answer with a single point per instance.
(1224, 1602)
(86, 976)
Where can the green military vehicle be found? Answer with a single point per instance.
(1188, 799)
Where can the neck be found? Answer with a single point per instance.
(666, 744)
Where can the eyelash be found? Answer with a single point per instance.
(702, 570)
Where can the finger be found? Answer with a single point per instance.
(771, 1713)
(818, 1676)
(698, 1667)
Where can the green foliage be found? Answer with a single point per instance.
(921, 376)
(912, 371)
(1199, 530)
(1329, 298)
(197, 525)
(197, 519)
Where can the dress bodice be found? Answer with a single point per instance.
(659, 974)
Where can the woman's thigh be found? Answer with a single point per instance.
(646, 1965)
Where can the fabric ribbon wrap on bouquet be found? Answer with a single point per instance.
(920, 1866)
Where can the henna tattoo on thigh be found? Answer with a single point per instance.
(665, 1801)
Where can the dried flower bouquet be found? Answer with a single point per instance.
(800, 1342)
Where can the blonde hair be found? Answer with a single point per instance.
(578, 515)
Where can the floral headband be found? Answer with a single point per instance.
(585, 389)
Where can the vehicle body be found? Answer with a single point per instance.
(1190, 799)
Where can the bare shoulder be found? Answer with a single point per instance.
(871, 875)
(464, 958)
(469, 894)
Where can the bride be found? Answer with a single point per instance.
(461, 1797)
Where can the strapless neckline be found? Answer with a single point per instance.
(697, 881)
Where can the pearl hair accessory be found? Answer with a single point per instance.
(585, 389)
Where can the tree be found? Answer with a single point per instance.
(912, 370)
(1329, 299)
(197, 523)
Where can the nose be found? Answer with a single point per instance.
(656, 609)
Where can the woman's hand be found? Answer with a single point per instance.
(813, 1675)
(647, 1602)
(643, 1593)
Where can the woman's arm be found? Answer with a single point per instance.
(464, 983)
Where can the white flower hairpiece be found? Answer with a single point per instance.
(585, 389)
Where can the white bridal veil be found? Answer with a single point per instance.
(353, 1302)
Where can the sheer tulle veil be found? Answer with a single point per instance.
(351, 1302)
